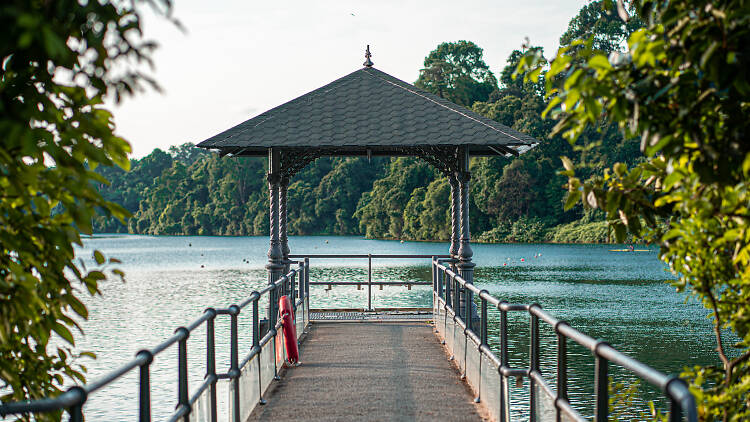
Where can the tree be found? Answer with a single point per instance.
(59, 61)
(457, 72)
(607, 31)
(682, 88)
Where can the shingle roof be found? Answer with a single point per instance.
(368, 110)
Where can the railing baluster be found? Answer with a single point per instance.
(483, 318)
(293, 292)
(211, 361)
(504, 398)
(234, 364)
(562, 371)
(533, 363)
(601, 386)
(457, 293)
(256, 345)
(76, 411)
(183, 401)
(307, 278)
(301, 281)
(275, 319)
(144, 387)
(369, 282)
(440, 281)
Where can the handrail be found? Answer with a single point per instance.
(75, 397)
(676, 389)
(377, 256)
(369, 281)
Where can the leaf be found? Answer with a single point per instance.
(567, 163)
(78, 306)
(63, 332)
(99, 257)
(600, 62)
(591, 199)
(572, 199)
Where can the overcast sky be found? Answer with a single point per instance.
(239, 58)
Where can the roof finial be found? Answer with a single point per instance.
(368, 62)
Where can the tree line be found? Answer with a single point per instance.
(187, 191)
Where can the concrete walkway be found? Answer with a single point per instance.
(377, 371)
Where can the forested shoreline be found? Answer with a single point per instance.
(188, 191)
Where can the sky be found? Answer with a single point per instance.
(238, 58)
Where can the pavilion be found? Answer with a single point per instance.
(369, 113)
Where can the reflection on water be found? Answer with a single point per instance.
(620, 297)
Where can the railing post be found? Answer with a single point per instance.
(533, 363)
(457, 297)
(211, 361)
(144, 387)
(301, 282)
(256, 345)
(483, 318)
(275, 319)
(293, 292)
(439, 281)
(182, 373)
(76, 411)
(307, 279)
(448, 291)
(675, 409)
(504, 397)
(369, 282)
(601, 385)
(432, 272)
(562, 370)
(234, 364)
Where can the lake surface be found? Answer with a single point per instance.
(620, 297)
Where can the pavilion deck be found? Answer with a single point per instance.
(371, 370)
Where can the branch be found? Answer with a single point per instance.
(717, 332)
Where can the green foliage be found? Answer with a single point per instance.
(190, 191)
(59, 60)
(602, 24)
(457, 72)
(580, 232)
(622, 403)
(682, 88)
(400, 198)
(381, 211)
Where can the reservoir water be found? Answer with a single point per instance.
(618, 296)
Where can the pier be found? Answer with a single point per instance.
(395, 364)
(368, 363)
(370, 370)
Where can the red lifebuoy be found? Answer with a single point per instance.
(290, 332)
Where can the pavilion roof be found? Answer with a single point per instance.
(369, 111)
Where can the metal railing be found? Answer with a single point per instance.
(73, 400)
(369, 282)
(449, 288)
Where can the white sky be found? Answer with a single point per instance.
(239, 58)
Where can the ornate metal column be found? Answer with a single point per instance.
(465, 266)
(283, 221)
(275, 264)
(455, 206)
